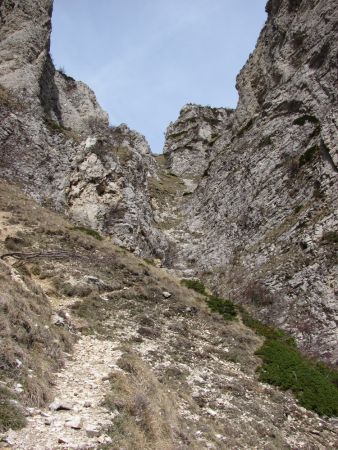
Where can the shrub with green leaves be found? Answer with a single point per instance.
(306, 118)
(308, 155)
(286, 367)
(196, 285)
(224, 307)
(314, 384)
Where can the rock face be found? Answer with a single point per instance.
(245, 199)
(56, 141)
(189, 141)
(264, 219)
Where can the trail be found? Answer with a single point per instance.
(81, 386)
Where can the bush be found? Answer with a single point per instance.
(306, 118)
(196, 285)
(258, 294)
(314, 384)
(297, 209)
(224, 307)
(331, 237)
(286, 367)
(308, 156)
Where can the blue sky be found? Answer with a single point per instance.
(145, 59)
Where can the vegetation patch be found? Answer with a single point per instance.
(265, 141)
(8, 100)
(314, 384)
(147, 417)
(224, 307)
(55, 126)
(331, 237)
(308, 156)
(196, 285)
(89, 232)
(306, 118)
(297, 209)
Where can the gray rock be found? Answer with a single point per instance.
(74, 422)
(61, 405)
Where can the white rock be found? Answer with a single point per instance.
(75, 423)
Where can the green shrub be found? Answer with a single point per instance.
(308, 156)
(224, 307)
(88, 231)
(149, 261)
(196, 285)
(330, 236)
(286, 367)
(314, 384)
(265, 141)
(306, 118)
(297, 209)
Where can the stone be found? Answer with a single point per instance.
(61, 405)
(74, 422)
(166, 294)
(92, 431)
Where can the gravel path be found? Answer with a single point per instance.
(80, 386)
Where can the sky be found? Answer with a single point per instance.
(145, 59)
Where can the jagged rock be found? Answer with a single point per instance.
(266, 202)
(189, 141)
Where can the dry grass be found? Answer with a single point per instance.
(147, 417)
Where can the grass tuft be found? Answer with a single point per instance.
(88, 231)
(196, 285)
(11, 417)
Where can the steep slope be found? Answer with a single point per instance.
(263, 220)
(151, 366)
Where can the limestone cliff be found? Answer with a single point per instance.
(263, 220)
(56, 141)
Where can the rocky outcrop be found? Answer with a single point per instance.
(264, 218)
(189, 141)
(108, 186)
(55, 139)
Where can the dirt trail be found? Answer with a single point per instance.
(76, 419)
(81, 386)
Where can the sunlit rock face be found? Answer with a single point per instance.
(190, 140)
(265, 212)
(55, 139)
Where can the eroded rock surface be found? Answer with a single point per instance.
(266, 209)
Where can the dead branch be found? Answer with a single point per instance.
(57, 254)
